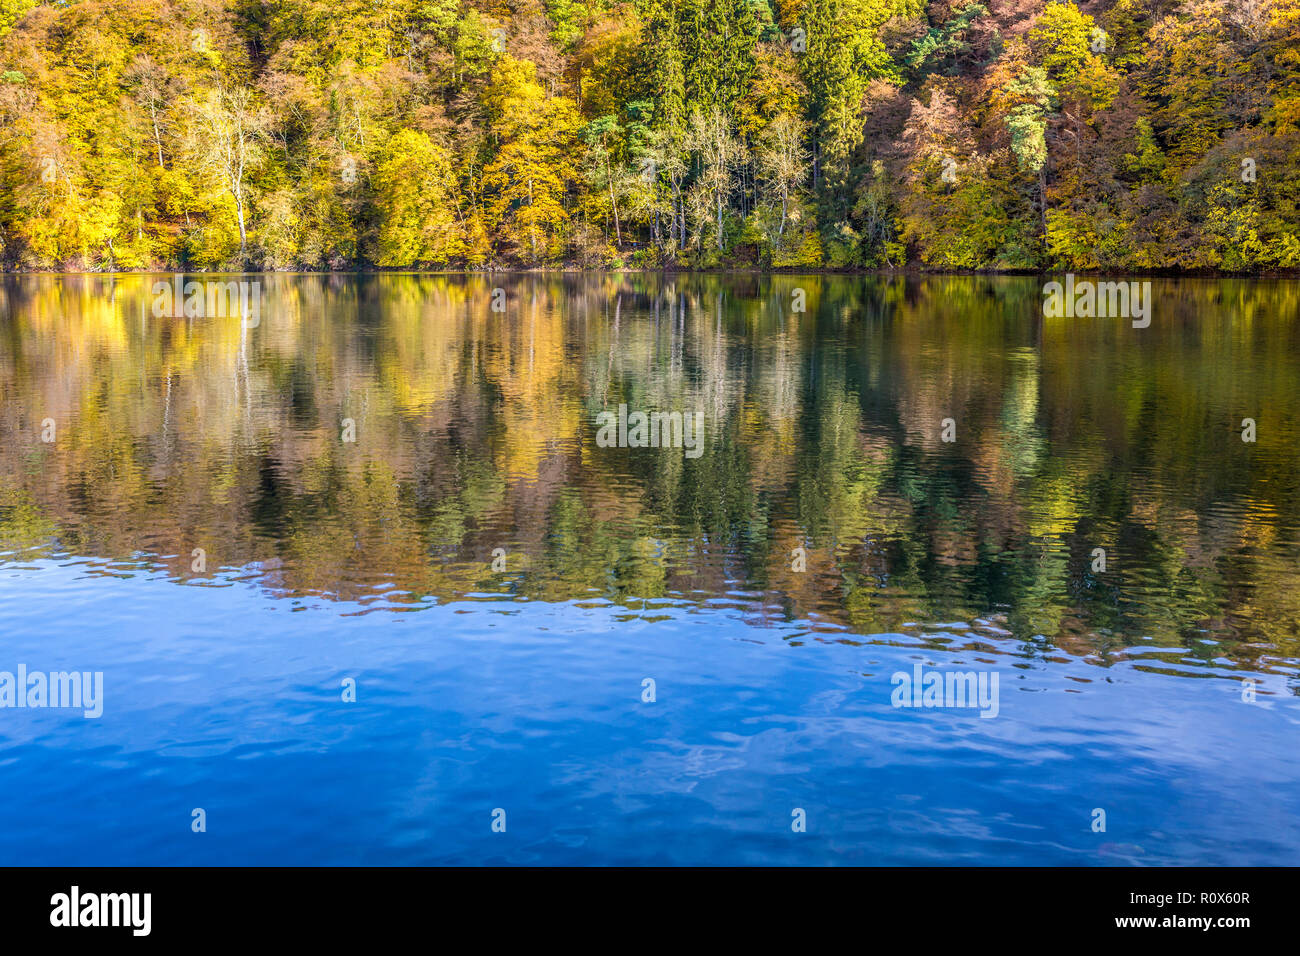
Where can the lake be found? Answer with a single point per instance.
(642, 569)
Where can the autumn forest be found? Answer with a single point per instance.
(1124, 135)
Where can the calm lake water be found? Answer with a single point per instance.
(384, 481)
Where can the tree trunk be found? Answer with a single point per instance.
(719, 219)
(243, 232)
(1042, 197)
(609, 178)
(532, 233)
(153, 113)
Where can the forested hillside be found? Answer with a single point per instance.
(1122, 135)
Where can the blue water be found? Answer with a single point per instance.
(350, 466)
(226, 699)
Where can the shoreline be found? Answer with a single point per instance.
(911, 272)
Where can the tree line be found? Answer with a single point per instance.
(1127, 135)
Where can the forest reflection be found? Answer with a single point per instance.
(475, 431)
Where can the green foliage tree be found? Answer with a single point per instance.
(414, 195)
(333, 133)
(528, 179)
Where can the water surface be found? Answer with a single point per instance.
(391, 483)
